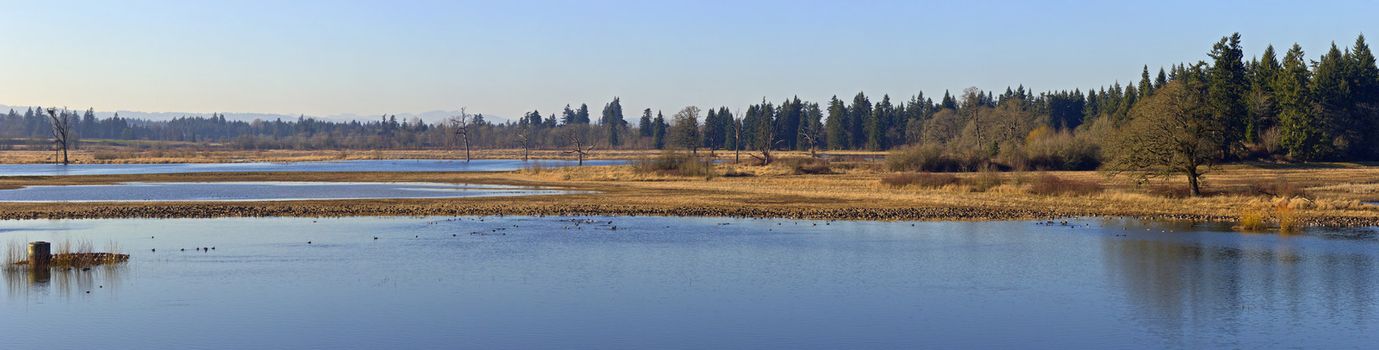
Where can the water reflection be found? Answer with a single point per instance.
(656, 282)
(1185, 281)
(23, 281)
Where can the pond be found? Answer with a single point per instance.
(259, 191)
(407, 165)
(652, 282)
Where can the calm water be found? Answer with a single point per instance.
(418, 165)
(523, 282)
(258, 191)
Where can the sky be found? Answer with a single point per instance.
(332, 58)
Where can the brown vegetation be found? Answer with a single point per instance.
(68, 254)
(855, 192)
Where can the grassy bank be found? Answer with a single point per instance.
(860, 191)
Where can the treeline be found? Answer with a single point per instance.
(1288, 108)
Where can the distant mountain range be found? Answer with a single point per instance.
(429, 116)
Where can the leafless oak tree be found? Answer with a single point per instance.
(579, 150)
(524, 138)
(61, 133)
(460, 126)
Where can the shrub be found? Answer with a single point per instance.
(674, 163)
(922, 157)
(1050, 185)
(733, 172)
(1278, 187)
(1060, 151)
(925, 180)
(807, 166)
(983, 181)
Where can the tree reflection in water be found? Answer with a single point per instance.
(1187, 282)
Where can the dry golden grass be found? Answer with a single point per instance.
(94, 155)
(853, 191)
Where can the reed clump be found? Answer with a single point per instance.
(1282, 211)
(69, 254)
(14, 252)
(1252, 219)
(1289, 220)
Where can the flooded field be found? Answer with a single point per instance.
(258, 191)
(418, 165)
(654, 282)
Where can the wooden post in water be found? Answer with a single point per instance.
(40, 253)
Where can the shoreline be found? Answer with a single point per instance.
(616, 191)
(294, 156)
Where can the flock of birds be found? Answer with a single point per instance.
(582, 223)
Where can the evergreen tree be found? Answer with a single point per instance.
(1300, 129)
(711, 130)
(835, 133)
(582, 115)
(1226, 88)
(1332, 95)
(1263, 105)
(658, 131)
(1364, 89)
(877, 124)
(861, 111)
(644, 127)
(567, 117)
(1161, 80)
(1146, 86)
(613, 122)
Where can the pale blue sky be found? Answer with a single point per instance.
(506, 57)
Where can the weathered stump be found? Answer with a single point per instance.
(40, 253)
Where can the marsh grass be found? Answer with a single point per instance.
(69, 254)
(806, 166)
(676, 164)
(15, 251)
(1255, 218)
(1252, 219)
(1289, 219)
(983, 181)
(1050, 185)
(533, 168)
(924, 180)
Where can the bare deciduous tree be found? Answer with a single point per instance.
(811, 137)
(524, 138)
(61, 133)
(577, 141)
(460, 126)
(737, 139)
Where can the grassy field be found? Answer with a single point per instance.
(1331, 195)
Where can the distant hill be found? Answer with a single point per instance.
(428, 116)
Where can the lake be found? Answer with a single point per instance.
(406, 165)
(259, 191)
(688, 283)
